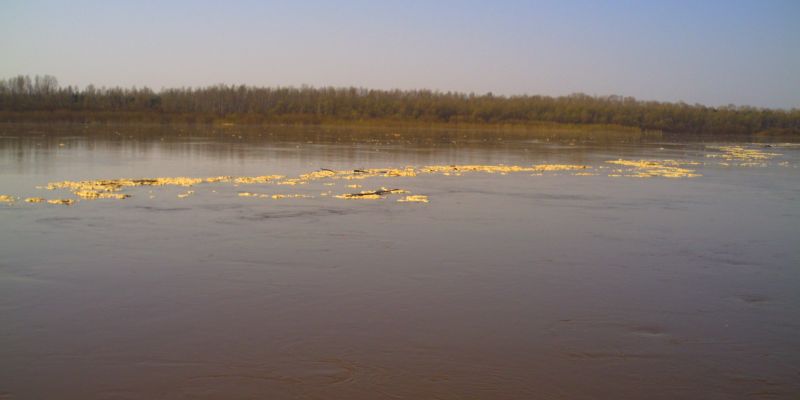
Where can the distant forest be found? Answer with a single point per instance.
(40, 98)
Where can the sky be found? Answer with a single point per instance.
(713, 52)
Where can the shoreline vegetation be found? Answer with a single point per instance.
(41, 99)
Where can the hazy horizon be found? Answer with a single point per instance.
(715, 53)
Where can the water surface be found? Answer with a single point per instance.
(522, 285)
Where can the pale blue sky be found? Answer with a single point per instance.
(712, 52)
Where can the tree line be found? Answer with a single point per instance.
(41, 98)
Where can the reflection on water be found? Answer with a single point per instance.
(505, 285)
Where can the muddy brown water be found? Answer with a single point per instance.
(501, 287)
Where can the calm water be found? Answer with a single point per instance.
(501, 287)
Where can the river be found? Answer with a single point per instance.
(346, 264)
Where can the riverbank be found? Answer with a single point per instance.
(127, 117)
